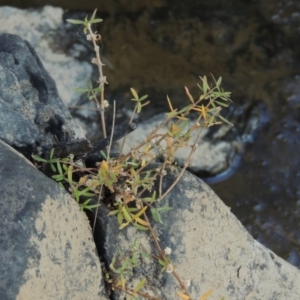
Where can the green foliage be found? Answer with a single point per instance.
(139, 100)
(86, 22)
(90, 91)
(130, 178)
(121, 267)
(63, 174)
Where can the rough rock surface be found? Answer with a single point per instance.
(220, 147)
(41, 32)
(210, 248)
(32, 116)
(46, 244)
(46, 33)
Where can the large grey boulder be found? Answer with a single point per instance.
(46, 244)
(42, 32)
(32, 116)
(46, 33)
(210, 249)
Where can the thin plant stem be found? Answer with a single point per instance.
(161, 178)
(186, 164)
(130, 121)
(102, 79)
(97, 208)
(162, 256)
(112, 129)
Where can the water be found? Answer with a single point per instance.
(254, 46)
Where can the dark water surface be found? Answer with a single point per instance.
(254, 45)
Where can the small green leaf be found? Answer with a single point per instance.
(164, 208)
(72, 21)
(185, 109)
(145, 254)
(61, 185)
(162, 262)
(205, 86)
(134, 93)
(53, 168)
(86, 205)
(114, 212)
(59, 168)
(120, 218)
(155, 215)
(221, 103)
(132, 163)
(163, 269)
(140, 285)
(51, 154)
(70, 174)
(96, 21)
(126, 214)
(81, 90)
(143, 98)
(64, 160)
(224, 120)
(136, 216)
(58, 177)
(139, 107)
(132, 209)
(97, 90)
(76, 194)
(93, 15)
(103, 154)
(172, 114)
(211, 120)
(118, 271)
(37, 158)
(141, 227)
(85, 192)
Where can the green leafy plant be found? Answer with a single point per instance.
(63, 170)
(130, 178)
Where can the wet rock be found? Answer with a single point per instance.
(210, 249)
(46, 244)
(32, 115)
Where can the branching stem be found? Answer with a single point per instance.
(102, 79)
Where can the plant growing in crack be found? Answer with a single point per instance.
(127, 182)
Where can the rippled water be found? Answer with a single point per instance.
(254, 46)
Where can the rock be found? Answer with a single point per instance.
(48, 35)
(210, 156)
(46, 244)
(220, 147)
(32, 115)
(41, 32)
(210, 248)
